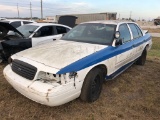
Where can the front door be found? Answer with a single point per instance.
(44, 35)
(126, 52)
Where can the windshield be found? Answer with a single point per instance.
(27, 30)
(96, 33)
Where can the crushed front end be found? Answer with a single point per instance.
(40, 83)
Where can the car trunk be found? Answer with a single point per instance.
(68, 20)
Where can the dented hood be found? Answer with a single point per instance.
(60, 53)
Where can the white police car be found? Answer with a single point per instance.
(76, 66)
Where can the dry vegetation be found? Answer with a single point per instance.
(154, 30)
(134, 95)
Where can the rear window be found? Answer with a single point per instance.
(26, 22)
(61, 30)
(134, 31)
(139, 31)
(16, 24)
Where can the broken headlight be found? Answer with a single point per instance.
(50, 77)
(58, 78)
(72, 75)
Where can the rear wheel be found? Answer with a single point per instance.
(142, 58)
(92, 85)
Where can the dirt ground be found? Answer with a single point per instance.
(134, 95)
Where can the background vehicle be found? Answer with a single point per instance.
(84, 57)
(27, 36)
(18, 22)
(2, 18)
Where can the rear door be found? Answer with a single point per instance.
(137, 39)
(45, 34)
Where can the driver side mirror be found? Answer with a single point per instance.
(119, 42)
(31, 32)
(37, 34)
(117, 35)
(118, 39)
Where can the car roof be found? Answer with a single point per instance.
(13, 20)
(114, 22)
(46, 24)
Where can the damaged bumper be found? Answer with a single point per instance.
(40, 92)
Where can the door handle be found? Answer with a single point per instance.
(54, 39)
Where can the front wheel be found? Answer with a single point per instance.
(92, 85)
(142, 59)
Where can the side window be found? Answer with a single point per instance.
(61, 30)
(139, 31)
(124, 33)
(16, 24)
(44, 31)
(25, 22)
(134, 31)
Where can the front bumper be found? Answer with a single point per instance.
(40, 92)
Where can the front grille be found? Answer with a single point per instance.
(24, 69)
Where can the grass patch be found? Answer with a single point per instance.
(155, 51)
(134, 95)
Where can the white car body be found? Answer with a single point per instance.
(49, 38)
(27, 36)
(54, 63)
(18, 22)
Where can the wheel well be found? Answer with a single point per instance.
(103, 67)
(147, 47)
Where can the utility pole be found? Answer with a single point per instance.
(18, 10)
(119, 16)
(130, 15)
(41, 10)
(31, 10)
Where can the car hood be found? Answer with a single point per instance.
(5, 27)
(60, 53)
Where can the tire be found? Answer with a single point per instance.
(92, 85)
(142, 59)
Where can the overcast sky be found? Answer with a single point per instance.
(143, 9)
